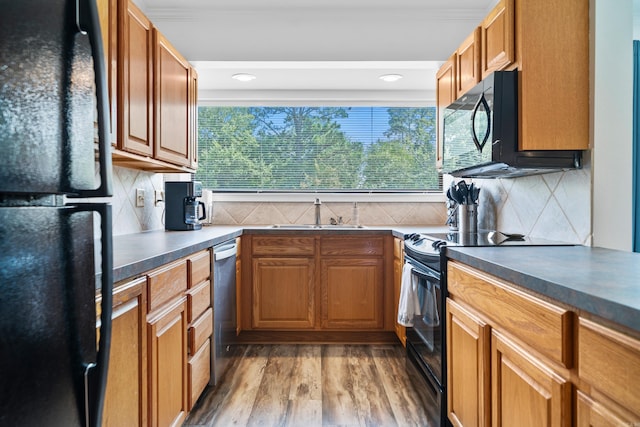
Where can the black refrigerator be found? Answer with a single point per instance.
(55, 238)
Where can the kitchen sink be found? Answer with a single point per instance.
(321, 226)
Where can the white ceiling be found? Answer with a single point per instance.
(316, 51)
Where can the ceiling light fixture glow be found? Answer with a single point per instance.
(390, 77)
(243, 77)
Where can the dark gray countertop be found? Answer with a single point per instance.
(603, 282)
(135, 254)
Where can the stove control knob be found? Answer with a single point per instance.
(438, 244)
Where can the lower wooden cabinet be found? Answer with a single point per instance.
(352, 293)
(524, 391)
(468, 364)
(609, 364)
(398, 264)
(591, 413)
(524, 384)
(541, 373)
(126, 394)
(283, 293)
(160, 345)
(199, 372)
(168, 364)
(319, 282)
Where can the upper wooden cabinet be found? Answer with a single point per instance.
(468, 63)
(497, 36)
(172, 95)
(552, 53)
(108, 14)
(546, 40)
(445, 95)
(193, 117)
(152, 93)
(135, 73)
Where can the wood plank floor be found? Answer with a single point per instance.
(316, 385)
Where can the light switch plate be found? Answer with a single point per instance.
(139, 197)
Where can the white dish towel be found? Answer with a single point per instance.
(409, 304)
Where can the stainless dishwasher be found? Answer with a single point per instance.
(223, 301)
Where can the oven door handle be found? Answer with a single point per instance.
(424, 273)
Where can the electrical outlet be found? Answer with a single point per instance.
(158, 197)
(140, 197)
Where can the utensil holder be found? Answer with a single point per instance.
(468, 218)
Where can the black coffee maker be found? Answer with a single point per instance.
(182, 210)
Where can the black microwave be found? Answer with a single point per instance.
(480, 135)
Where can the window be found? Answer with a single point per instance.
(340, 149)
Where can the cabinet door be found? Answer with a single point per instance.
(126, 395)
(168, 364)
(401, 331)
(193, 116)
(108, 14)
(498, 38)
(468, 63)
(135, 71)
(609, 361)
(352, 293)
(283, 293)
(468, 364)
(445, 95)
(171, 84)
(591, 413)
(553, 40)
(524, 390)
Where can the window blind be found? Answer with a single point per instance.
(317, 149)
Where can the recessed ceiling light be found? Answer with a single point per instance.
(243, 77)
(390, 77)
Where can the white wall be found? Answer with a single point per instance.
(612, 81)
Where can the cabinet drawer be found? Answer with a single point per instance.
(200, 330)
(199, 266)
(610, 362)
(166, 283)
(335, 246)
(282, 245)
(544, 326)
(198, 300)
(199, 372)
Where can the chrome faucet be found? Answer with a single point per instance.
(317, 205)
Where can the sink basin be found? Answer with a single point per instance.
(321, 226)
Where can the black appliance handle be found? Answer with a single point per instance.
(204, 211)
(96, 373)
(482, 101)
(424, 272)
(88, 22)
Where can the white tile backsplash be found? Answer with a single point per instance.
(127, 218)
(554, 206)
